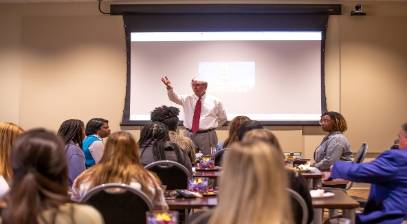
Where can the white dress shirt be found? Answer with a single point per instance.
(212, 112)
(96, 150)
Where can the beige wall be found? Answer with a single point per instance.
(10, 67)
(60, 61)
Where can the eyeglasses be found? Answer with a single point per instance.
(324, 120)
(198, 84)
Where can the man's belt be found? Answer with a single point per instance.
(202, 131)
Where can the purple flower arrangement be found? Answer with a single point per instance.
(198, 184)
(206, 162)
(162, 217)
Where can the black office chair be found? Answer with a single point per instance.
(361, 153)
(172, 174)
(219, 157)
(299, 202)
(200, 217)
(359, 158)
(119, 203)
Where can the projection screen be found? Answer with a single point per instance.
(268, 76)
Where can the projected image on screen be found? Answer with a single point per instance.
(268, 76)
(228, 76)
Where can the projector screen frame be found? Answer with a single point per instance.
(213, 9)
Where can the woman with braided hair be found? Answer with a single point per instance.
(169, 116)
(72, 132)
(155, 145)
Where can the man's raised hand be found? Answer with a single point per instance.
(166, 82)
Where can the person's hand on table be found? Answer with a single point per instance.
(326, 175)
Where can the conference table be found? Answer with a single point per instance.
(340, 201)
(314, 179)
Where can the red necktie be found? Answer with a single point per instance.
(197, 116)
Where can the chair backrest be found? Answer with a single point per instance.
(200, 217)
(119, 203)
(361, 153)
(359, 157)
(219, 157)
(171, 174)
(301, 202)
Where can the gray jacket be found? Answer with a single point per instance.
(334, 146)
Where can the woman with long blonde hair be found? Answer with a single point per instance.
(120, 164)
(295, 181)
(252, 186)
(8, 134)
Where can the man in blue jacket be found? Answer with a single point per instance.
(387, 201)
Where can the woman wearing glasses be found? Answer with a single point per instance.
(334, 145)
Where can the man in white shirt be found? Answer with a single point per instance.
(203, 113)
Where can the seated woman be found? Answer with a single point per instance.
(8, 134)
(155, 145)
(39, 190)
(169, 116)
(335, 145)
(252, 187)
(120, 164)
(233, 131)
(72, 132)
(295, 181)
(248, 126)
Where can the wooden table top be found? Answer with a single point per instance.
(216, 168)
(334, 182)
(184, 203)
(206, 174)
(217, 174)
(339, 201)
(212, 173)
(312, 175)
